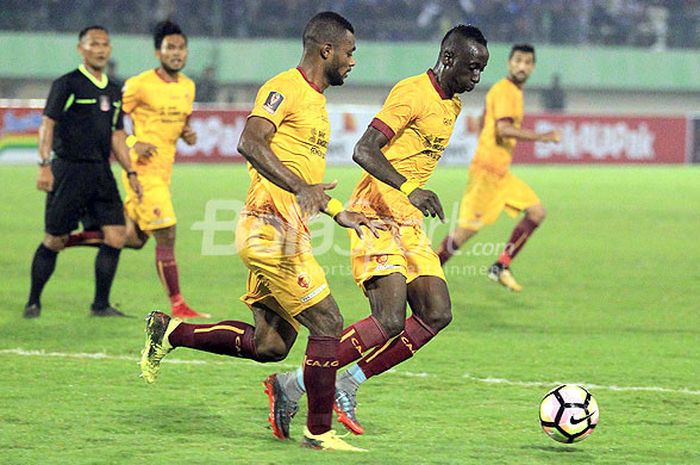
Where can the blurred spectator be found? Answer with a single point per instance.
(112, 72)
(207, 87)
(638, 23)
(553, 97)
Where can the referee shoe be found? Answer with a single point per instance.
(107, 311)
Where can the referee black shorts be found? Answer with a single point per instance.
(81, 188)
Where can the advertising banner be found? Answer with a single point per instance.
(694, 139)
(586, 139)
(591, 139)
(19, 134)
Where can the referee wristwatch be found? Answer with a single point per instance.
(44, 162)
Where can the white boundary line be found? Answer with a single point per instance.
(408, 374)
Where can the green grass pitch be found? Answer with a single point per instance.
(610, 300)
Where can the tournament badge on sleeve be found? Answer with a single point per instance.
(273, 102)
(104, 102)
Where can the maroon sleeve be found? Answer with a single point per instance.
(382, 127)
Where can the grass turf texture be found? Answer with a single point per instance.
(611, 287)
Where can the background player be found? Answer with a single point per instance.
(400, 150)
(491, 187)
(82, 122)
(284, 140)
(159, 102)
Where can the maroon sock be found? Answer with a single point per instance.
(414, 336)
(85, 238)
(520, 234)
(320, 366)
(359, 338)
(447, 249)
(167, 271)
(233, 338)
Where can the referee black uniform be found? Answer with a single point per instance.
(86, 112)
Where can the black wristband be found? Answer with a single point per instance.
(131, 173)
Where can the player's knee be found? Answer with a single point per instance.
(392, 324)
(334, 324)
(442, 320)
(134, 243)
(439, 317)
(116, 241)
(165, 237)
(271, 352)
(329, 324)
(537, 214)
(55, 243)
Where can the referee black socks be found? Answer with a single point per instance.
(43, 265)
(105, 268)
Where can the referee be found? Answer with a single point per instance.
(82, 123)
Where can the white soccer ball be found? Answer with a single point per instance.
(568, 413)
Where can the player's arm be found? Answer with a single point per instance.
(44, 180)
(58, 102)
(254, 145)
(121, 153)
(505, 128)
(143, 150)
(131, 99)
(368, 154)
(188, 134)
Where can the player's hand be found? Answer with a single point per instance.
(551, 136)
(189, 135)
(312, 197)
(427, 202)
(136, 186)
(44, 181)
(356, 220)
(144, 151)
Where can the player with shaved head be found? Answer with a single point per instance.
(284, 142)
(399, 152)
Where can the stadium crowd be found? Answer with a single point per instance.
(639, 23)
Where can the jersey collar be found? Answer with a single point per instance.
(101, 84)
(519, 86)
(160, 76)
(313, 86)
(436, 85)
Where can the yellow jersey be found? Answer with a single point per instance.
(504, 101)
(159, 111)
(418, 119)
(297, 108)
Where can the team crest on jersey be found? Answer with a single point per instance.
(156, 211)
(381, 259)
(104, 102)
(303, 280)
(272, 102)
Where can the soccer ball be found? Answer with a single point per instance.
(568, 413)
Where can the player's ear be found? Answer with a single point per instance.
(326, 50)
(448, 58)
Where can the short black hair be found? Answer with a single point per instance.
(327, 26)
(166, 28)
(84, 31)
(465, 32)
(525, 48)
